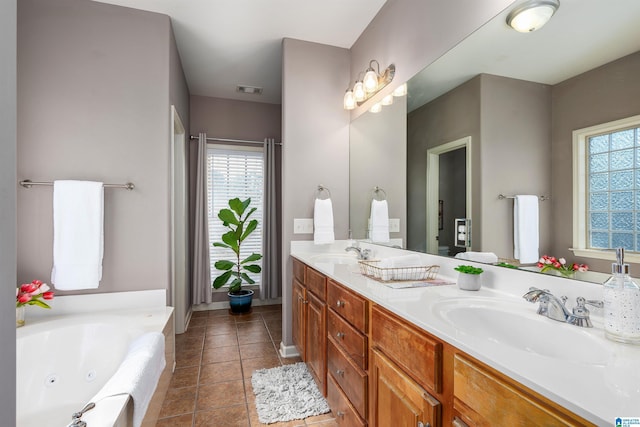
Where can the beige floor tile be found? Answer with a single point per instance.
(220, 354)
(232, 416)
(220, 372)
(222, 340)
(261, 349)
(218, 395)
(250, 365)
(254, 337)
(185, 420)
(185, 377)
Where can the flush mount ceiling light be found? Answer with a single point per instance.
(532, 15)
(253, 90)
(372, 82)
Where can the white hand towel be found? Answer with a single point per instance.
(138, 374)
(323, 222)
(379, 221)
(78, 216)
(525, 229)
(387, 264)
(485, 257)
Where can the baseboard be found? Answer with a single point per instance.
(219, 305)
(287, 351)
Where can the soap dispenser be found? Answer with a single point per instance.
(621, 304)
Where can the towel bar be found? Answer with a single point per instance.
(542, 198)
(27, 183)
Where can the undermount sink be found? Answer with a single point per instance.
(510, 325)
(335, 259)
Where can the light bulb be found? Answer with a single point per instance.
(376, 108)
(387, 100)
(349, 100)
(400, 90)
(370, 81)
(359, 92)
(531, 17)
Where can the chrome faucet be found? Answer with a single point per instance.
(554, 308)
(363, 254)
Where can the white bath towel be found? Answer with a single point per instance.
(379, 221)
(78, 216)
(387, 266)
(525, 229)
(323, 222)
(138, 374)
(485, 257)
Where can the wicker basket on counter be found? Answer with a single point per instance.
(372, 270)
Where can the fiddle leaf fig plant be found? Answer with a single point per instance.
(236, 220)
(468, 269)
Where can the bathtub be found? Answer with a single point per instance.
(63, 360)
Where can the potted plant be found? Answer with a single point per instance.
(235, 272)
(469, 277)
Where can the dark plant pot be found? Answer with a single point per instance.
(240, 301)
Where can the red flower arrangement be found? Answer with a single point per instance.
(33, 294)
(560, 264)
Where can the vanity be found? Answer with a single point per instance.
(441, 356)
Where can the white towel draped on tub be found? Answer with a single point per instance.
(138, 374)
(78, 216)
(323, 222)
(525, 229)
(379, 221)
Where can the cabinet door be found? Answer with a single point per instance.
(299, 309)
(316, 340)
(397, 400)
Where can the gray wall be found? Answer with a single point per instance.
(447, 118)
(94, 104)
(315, 138)
(605, 94)
(8, 209)
(509, 123)
(377, 153)
(414, 33)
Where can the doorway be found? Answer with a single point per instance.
(448, 194)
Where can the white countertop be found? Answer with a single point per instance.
(598, 380)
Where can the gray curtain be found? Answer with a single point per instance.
(201, 274)
(272, 248)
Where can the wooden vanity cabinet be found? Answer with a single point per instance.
(309, 320)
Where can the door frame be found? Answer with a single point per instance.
(433, 182)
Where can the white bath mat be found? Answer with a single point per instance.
(287, 393)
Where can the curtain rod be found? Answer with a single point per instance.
(244, 141)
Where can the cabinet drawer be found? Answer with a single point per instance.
(413, 350)
(348, 304)
(351, 379)
(484, 397)
(343, 411)
(298, 270)
(352, 342)
(316, 283)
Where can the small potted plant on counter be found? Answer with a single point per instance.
(469, 277)
(236, 271)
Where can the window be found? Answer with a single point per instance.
(234, 172)
(607, 188)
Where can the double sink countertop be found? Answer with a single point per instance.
(576, 367)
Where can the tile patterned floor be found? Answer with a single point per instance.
(215, 358)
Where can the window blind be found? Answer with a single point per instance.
(231, 173)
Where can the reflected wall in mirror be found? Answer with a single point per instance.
(518, 97)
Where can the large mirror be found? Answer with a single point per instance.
(494, 116)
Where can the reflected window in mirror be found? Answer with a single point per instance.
(607, 188)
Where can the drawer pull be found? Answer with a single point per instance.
(457, 422)
(339, 303)
(340, 414)
(340, 372)
(340, 335)
(421, 424)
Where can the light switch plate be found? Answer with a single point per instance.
(303, 226)
(394, 225)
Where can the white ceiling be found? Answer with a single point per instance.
(225, 43)
(582, 35)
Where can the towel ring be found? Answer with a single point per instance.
(379, 192)
(322, 189)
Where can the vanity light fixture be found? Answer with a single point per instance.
(532, 15)
(400, 90)
(387, 100)
(376, 108)
(372, 82)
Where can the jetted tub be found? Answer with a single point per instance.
(63, 361)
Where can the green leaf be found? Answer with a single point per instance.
(230, 239)
(252, 257)
(228, 217)
(236, 285)
(468, 269)
(246, 204)
(221, 245)
(224, 265)
(252, 226)
(39, 303)
(248, 279)
(237, 205)
(250, 212)
(221, 280)
(253, 268)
